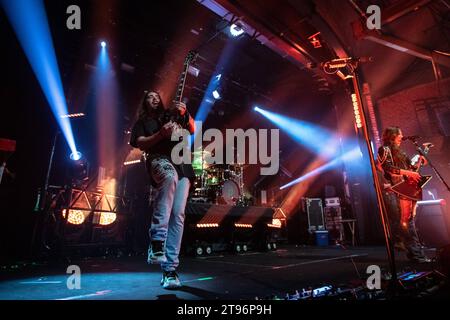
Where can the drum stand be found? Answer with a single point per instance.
(241, 199)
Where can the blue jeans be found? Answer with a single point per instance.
(168, 209)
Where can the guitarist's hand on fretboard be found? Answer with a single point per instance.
(423, 160)
(180, 106)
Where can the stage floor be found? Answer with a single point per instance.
(225, 276)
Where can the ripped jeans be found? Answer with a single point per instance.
(168, 209)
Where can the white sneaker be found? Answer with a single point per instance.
(170, 280)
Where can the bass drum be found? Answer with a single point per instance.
(229, 192)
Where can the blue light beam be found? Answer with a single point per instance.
(315, 138)
(349, 156)
(223, 63)
(29, 21)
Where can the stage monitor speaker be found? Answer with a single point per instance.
(433, 223)
(220, 226)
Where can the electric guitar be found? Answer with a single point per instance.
(409, 188)
(173, 114)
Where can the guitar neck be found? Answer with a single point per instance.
(181, 83)
(180, 88)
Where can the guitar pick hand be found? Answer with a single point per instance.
(167, 129)
(414, 176)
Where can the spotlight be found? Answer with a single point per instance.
(78, 170)
(75, 156)
(76, 217)
(236, 30)
(103, 44)
(216, 94)
(106, 218)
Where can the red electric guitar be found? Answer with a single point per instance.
(409, 188)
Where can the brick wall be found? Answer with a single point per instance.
(412, 109)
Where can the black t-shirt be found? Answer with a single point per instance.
(163, 149)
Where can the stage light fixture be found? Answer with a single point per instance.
(216, 94)
(356, 111)
(107, 218)
(207, 225)
(75, 156)
(277, 222)
(73, 115)
(75, 217)
(128, 163)
(236, 30)
(243, 225)
(103, 44)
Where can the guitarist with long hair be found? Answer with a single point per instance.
(152, 134)
(397, 166)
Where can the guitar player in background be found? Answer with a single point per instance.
(152, 134)
(397, 166)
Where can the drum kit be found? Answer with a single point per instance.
(217, 183)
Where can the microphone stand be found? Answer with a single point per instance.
(438, 174)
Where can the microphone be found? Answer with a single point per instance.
(340, 63)
(412, 138)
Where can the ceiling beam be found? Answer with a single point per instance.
(407, 47)
(272, 36)
(401, 8)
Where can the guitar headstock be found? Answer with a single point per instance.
(191, 56)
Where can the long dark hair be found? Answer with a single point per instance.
(389, 135)
(143, 112)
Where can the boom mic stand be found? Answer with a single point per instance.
(438, 174)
